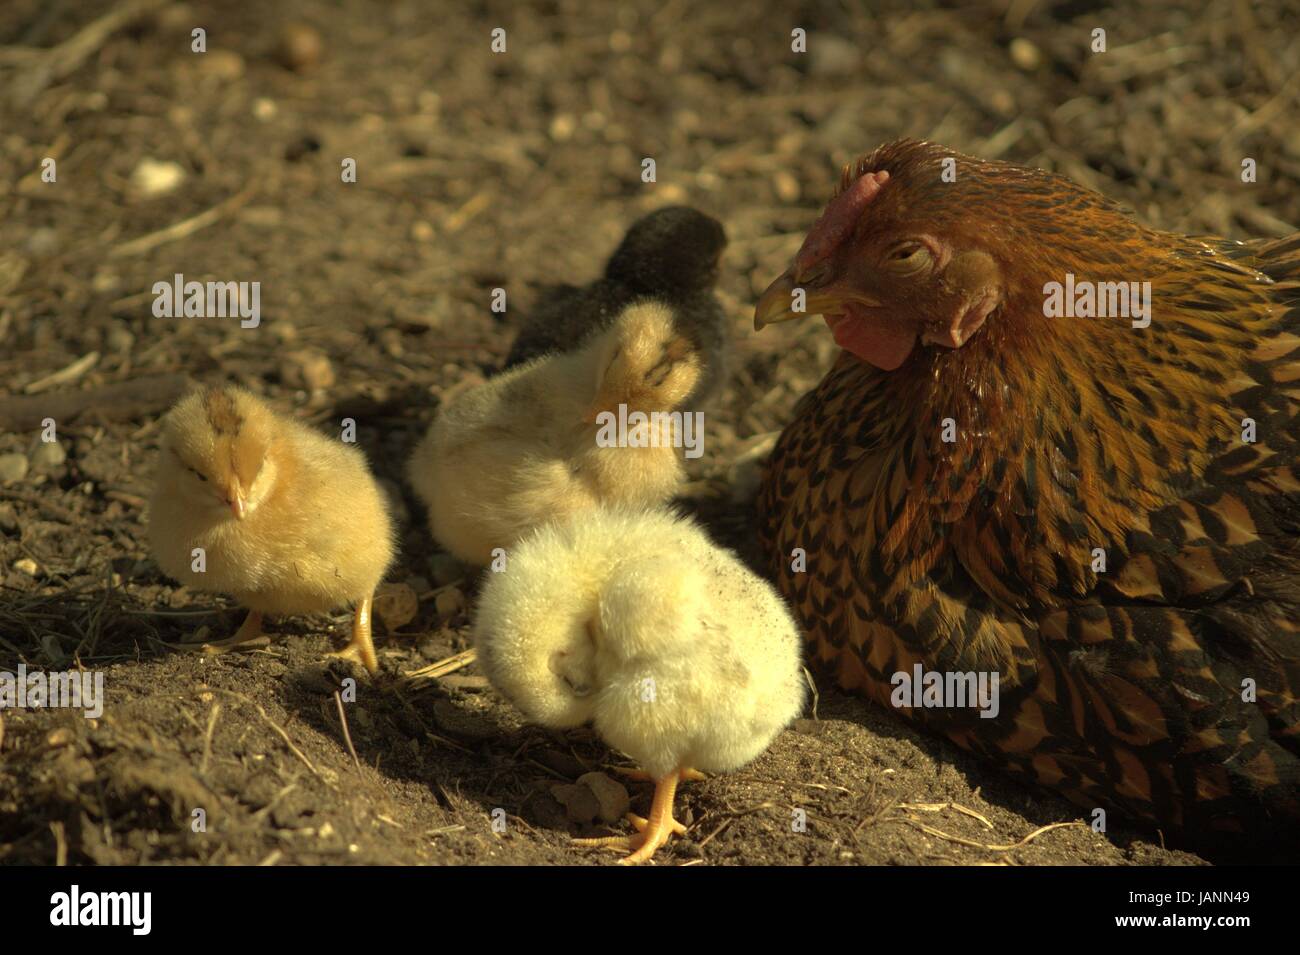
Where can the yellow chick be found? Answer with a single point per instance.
(541, 441)
(635, 621)
(288, 520)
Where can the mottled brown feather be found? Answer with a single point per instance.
(1122, 688)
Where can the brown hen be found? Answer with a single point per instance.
(1105, 513)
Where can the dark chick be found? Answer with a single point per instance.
(670, 256)
(1161, 685)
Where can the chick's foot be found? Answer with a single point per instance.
(361, 649)
(653, 832)
(249, 636)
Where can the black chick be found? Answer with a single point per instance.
(670, 255)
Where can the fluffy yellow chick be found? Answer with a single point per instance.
(533, 443)
(289, 520)
(635, 621)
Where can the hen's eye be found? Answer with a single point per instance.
(908, 257)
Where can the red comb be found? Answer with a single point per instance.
(838, 219)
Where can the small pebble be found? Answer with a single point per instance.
(42, 242)
(579, 802)
(808, 727)
(832, 55)
(787, 186)
(154, 178)
(264, 110)
(671, 192)
(314, 678)
(300, 47)
(48, 455)
(13, 467)
(395, 605)
(226, 65)
(449, 602)
(563, 126)
(1025, 55)
(610, 794)
(433, 646)
(120, 339)
(308, 369)
(105, 281)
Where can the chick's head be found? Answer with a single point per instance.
(671, 251)
(219, 451)
(534, 634)
(646, 363)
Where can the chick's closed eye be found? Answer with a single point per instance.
(287, 520)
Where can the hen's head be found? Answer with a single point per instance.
(923, 244)
(217, 450)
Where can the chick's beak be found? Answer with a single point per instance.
(235, 497)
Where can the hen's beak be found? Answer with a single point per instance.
(777, 302)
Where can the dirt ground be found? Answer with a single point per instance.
(477, 170)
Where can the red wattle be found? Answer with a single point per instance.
(876, 339)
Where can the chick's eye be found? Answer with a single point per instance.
(201, 477)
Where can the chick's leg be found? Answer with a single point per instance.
(247, 637)
(653, 832)
(361, 649)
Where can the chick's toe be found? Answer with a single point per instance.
(651, 833)
(249, 636)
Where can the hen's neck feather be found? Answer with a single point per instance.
(1069, 431)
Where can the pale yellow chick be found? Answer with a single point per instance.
(289, 521)
(635, 621)
(541, 441)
